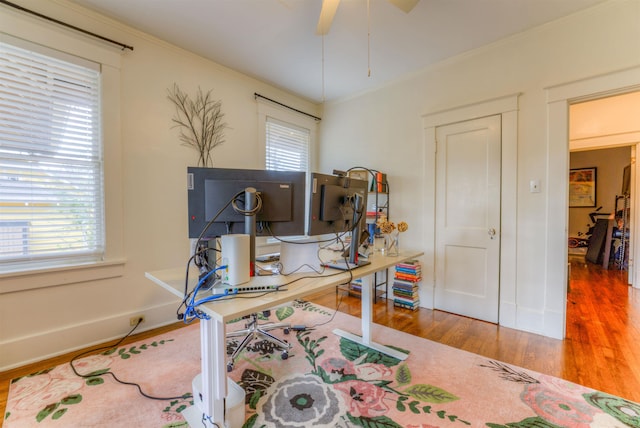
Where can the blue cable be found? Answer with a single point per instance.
(191, 313)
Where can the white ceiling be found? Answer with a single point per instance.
(275, 40)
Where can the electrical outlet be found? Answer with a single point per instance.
(534, 186)
(134, 320)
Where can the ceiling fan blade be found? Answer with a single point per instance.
(404, 5)
(327, 13)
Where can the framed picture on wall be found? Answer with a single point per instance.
(582, 187)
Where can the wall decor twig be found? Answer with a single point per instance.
(200, 122)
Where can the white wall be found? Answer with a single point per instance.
(382, 129)
(605, 122)
(42, 322)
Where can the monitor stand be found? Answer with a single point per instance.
(354, 261)
(300, 256)
(250, 201)
(345, 264)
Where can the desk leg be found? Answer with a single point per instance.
(208, 410)
(366, 300)
(214, 369)
(367, 309)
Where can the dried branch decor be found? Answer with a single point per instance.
(200, 122)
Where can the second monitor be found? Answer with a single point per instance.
(338, 206)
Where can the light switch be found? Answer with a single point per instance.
(534, 186)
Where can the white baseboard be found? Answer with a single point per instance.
(508, 314)
(529, 320)
(554, 325)
(426, 296)
(47, 344)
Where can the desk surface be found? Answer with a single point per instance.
(299, 285)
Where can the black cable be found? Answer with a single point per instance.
(247, 213)
(374, 173)
(215, 217)
(86, 376)
(206, 418)
(205, 267)
(267, 226)
(186, 276)
(186, 284)
(252, 295)
(330, 319)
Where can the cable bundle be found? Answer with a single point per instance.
(191, 304)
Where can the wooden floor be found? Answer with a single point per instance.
(601, 346)
(600, 351)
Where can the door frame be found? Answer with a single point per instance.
(472, 292)
(507, 107)
(558, 99)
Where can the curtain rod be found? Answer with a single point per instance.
(257, 95)
(64, 24)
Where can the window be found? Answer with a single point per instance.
(287, 146)
(288, 140)
(51, 170)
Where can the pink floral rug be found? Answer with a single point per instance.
(327, 381)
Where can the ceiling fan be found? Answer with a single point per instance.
(329, 8)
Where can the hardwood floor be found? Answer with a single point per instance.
(600, 350)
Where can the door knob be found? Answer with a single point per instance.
(492, 232)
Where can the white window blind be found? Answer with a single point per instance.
(287, 146)
(51, 185)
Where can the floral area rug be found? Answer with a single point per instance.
(326, 381)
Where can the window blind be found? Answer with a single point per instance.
(51, 184)
(287, 146)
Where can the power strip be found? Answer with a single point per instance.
(229, 290)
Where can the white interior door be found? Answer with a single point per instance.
(468, 176)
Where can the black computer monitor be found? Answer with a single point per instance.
(337, 205)
(217, 198)
(211, 190)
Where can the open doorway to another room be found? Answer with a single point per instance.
(599, 226)
(604, 134)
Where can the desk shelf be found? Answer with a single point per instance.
(354, 288)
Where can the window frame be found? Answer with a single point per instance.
(281, 114)
(267, 109)
(112, 264)
(272, 124)
(68, 153)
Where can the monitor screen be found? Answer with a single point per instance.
(332, 204)
(220, 191)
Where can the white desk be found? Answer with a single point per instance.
(212, 331)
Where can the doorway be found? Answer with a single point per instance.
(559, 99)
(596, 230)
(601, 134)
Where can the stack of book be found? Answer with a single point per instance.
(405, 285)
(379, 183)
(356, 285)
